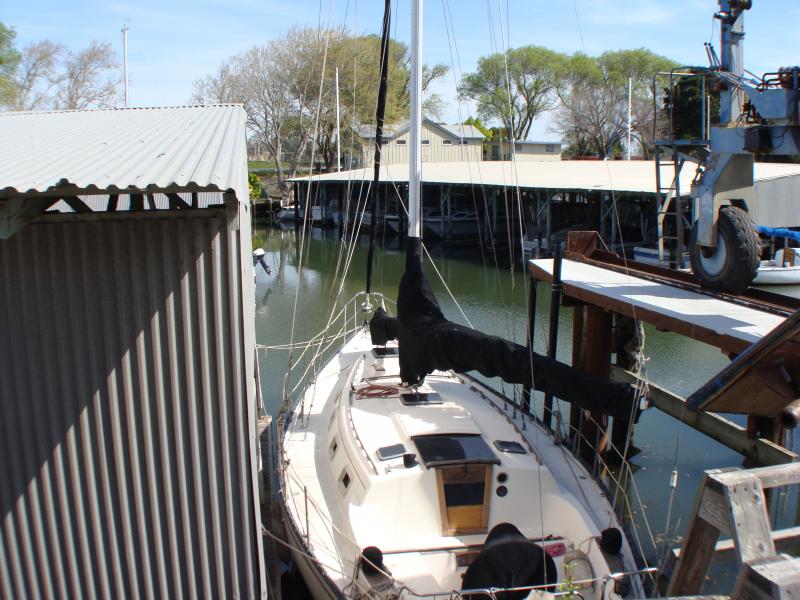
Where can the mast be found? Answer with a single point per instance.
(415, 124)
(380, 112)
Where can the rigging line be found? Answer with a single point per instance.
(379, 115)
(436, 270)
(457, 73)
(578, 22)
(308, 191)
(333, 315)
(504, 33)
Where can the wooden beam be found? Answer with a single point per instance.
(18, 212)
(778, 475)
(749, 520)
(76, 204)
(784, 540)
(769, 578)
(697, 551)
(728, 433)
(176, 202)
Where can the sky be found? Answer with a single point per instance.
(171, 43)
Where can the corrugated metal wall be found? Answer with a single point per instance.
(126, 450)
(777, 202)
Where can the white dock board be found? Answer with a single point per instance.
(698, 310)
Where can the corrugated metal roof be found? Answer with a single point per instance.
(392, 131)
(171, 148)
(613, 175)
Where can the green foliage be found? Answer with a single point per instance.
(686, 107)
(515, 87)
(9, 60)
(593, 115)
(478, 124)
(254, 183)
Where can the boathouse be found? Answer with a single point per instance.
(128, 451)
(620, 199)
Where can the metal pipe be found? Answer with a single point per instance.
(526, 391)
(305, 493)
(125, 62)
(789, 417)
(630, 114)
(415, 163)
(338, 142)
(555, 300)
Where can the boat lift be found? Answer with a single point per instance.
(756, 116)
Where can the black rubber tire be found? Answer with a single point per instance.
(738, 241)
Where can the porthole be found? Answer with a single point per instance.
(334, 447)
(501, 490)
(346, 480)
(502, 477)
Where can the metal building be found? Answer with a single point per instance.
(128, 404)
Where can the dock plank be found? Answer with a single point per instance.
(728, 326)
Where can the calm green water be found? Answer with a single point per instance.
(494, 300)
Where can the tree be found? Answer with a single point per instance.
(515, 87)
(90, 78)
(291, 103)
(478, 124)
(254, 186)
(37, 75)
(222, 87)
(594, 100)
(9, 59)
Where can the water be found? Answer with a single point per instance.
(494, 299)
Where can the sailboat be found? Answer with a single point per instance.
(401, 476)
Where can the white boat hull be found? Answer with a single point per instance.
(772, 275)
(356, 501)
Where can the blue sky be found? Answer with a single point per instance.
(172, 43)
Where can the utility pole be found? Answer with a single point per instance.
(338, 144)
(630, 99)
(125, 62)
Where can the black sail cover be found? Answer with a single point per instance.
(428, 342)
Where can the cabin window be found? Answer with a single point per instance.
(453, 449)
(464, 498)
(401, 142)
(334, 447)
(420, 398)
(389, 452)
(464, 141)
(510, 447)
(344, 481)
(447, 142)
(425, 142)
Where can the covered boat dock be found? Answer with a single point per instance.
(619, 199)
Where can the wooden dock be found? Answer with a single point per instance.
(759, 326)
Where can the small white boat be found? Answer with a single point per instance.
(457, 223)
(783, 269)
(287, 213)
